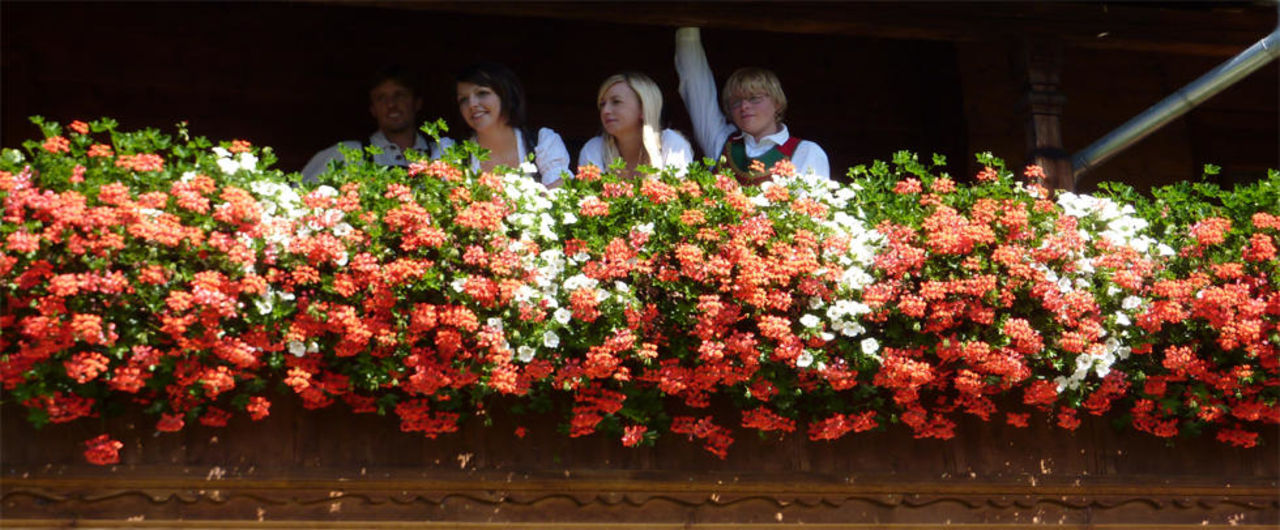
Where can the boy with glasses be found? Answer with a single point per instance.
(754, 100)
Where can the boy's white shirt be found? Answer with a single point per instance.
(710, 128)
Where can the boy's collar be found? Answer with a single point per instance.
(777, 138)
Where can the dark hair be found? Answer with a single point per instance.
(505, 83)
(399, 74)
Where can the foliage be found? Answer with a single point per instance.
(139, 268)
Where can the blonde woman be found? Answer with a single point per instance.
(630, 109)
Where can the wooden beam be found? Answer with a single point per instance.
(1040, 61)
(1208, 29)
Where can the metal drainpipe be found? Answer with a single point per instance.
(1177, 104)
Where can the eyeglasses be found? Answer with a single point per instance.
(753, 100)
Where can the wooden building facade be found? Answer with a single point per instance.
(863, 80)
(1022, 80)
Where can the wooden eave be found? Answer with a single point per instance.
(1197, 28)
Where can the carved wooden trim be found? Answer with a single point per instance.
(1040, 61)
(298, 468)
(90, 524)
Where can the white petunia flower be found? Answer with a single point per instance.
(1122, 319)
(836, 310)
(228, 165)
(326, 191)
(550, 339)
(264, 304)
(1064, 285)
(1130, 303)
(1084, 361)
(562, 316)
(525, 354)
(524, 294)
(810, 321)
(579, 281)
(548, 232)
(804, 359)
(852, 329)
(248, 161)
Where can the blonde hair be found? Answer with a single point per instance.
(749, 81)
(650, 113)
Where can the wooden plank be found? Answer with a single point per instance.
(353, 470)
(1040, 62)
(1213, 29)
(356, 525)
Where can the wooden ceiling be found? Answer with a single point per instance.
(1190, 28)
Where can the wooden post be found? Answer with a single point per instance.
(1039, 59)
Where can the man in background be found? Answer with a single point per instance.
(394, 105)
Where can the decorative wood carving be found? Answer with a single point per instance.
(1040, 60)
(526, 498)
(335, 469)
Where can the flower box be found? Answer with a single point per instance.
(909, 336)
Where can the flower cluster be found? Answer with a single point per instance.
(187, 277)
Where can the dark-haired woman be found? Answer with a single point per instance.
(491, 101)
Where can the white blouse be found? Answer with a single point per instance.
(676, 152)
(698, 89)
(550, 156)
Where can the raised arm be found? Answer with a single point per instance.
(698, 89)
